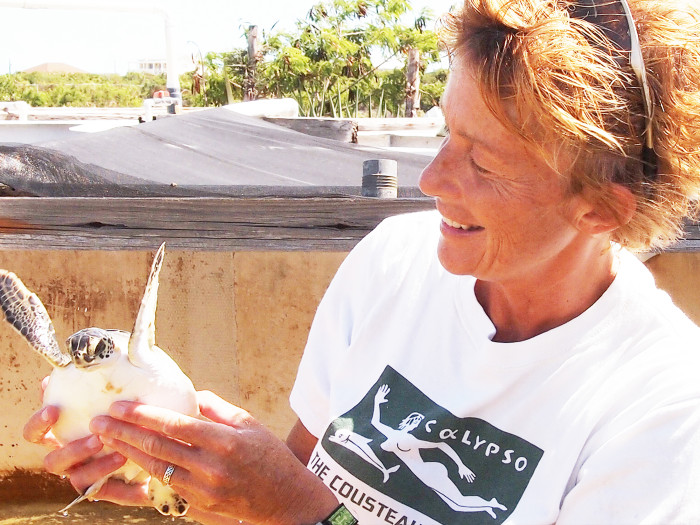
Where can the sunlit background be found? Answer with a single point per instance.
(115, 42)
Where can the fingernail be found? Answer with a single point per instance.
(107, 441)
(117, 410)
(118, 459)
(94, 442)
(45, 415)
(98, 425)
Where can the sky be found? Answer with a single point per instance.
(106, 41)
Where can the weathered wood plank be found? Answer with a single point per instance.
(685, 245)
(150, 241)
(292, 223)
(691, 239)
(231, 224)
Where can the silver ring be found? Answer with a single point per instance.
(168, 474)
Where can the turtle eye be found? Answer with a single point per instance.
(104, 348)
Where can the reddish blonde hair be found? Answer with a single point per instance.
(557, 81)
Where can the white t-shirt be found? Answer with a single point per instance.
(422, 419)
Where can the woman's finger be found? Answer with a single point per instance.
(149, 443)
(38, 428)
(219, 410)
(156, 467)
(166, 422)
(62, 460)
(82, 476)
(44, 384)
(197, 474)
(116, 491)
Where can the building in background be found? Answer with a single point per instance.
(157, 66)
(152, 66)
(54, 67)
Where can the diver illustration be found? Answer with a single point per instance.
(407, 449)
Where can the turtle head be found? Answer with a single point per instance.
(91, 347)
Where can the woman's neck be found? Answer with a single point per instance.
(540, 301)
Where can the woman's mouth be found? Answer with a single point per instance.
(459, 226)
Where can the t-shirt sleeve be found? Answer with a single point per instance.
(338, 313)
(647, 472)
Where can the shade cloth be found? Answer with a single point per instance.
(210, 152)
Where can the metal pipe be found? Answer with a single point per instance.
(379, 178)
(144, 6)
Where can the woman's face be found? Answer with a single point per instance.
(505, 213)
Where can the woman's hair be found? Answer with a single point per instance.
(565, 88)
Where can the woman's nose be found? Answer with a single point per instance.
(433, 179)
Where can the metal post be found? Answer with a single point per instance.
(379, 178)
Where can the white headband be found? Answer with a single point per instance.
(595, 12)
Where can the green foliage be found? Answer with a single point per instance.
(331, 64)
(219, 70)
(79, 89)
(431, 87)
(326, 64)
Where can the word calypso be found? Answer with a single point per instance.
(478, 444)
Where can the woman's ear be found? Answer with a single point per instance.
(606, 211)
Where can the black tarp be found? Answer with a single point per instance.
(209, 152)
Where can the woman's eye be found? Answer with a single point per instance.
(479, 168)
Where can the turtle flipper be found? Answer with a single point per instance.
(89, 493)
(25, 312)
(143, 336)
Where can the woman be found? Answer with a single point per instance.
(513, 318)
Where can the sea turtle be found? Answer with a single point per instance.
(104, 366)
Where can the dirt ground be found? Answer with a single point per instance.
(87, 513)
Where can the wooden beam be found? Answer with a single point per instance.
(207, 224)
(691, 239)
(238, 223)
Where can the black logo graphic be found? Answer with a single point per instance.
(454, 470)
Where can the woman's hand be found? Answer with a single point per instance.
(76, 459)
(230, 465)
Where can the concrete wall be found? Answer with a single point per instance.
(679, 275)
(236, 322)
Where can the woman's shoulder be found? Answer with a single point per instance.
(657, 337)
(651, 304)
